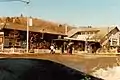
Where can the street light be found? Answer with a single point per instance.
(27, 3)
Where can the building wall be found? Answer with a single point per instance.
(14, 38)
(17, 39)
(115, 39)
(107, 37)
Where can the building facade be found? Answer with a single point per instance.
(85, 40)
(107, 37)
(14, 38)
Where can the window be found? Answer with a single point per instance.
(79, 33)
(113, 42)
(94, 32)
(83, 32)
(88, 32)
(91, 32)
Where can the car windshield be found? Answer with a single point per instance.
(59, 39)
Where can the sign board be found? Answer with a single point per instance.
(1, 32)
(30, 22)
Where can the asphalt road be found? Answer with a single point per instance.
(84, 63)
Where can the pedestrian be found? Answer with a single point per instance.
(70, 48)
(62, 49)
(52, 49)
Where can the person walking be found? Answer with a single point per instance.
(69, 48)
(52, 49)
(62, 49)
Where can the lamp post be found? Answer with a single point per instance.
(27, 3)
(108, 43)
(27, 30)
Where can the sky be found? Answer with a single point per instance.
(73, 12)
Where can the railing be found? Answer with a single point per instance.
(14, 50)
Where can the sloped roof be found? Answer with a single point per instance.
(38, 25)
(73, 31)
(31, 28)
(105, 33)
(102, 32)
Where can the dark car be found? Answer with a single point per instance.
(34, 69)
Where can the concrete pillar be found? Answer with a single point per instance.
(118, 41)
(86, 45)
(111, 42)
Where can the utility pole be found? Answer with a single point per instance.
(108, 45)
(27, 3)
